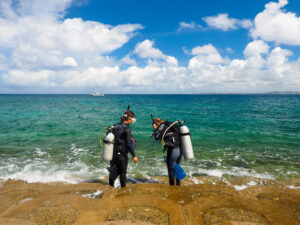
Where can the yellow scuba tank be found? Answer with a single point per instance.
(186, 142)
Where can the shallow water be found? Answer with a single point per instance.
(56, 137)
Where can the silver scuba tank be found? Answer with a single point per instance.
(108, 146)
(186, 142)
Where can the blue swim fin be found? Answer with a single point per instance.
(178, 171)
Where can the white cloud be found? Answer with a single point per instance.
(6, 10)
(128, 60)
(30, 78)
(204, 50)
(69, 61)
(37, 37)
(145, 49)
(253, 53)
(223, 22)
(93, 76)
(261, 69)
(205, 54)
(278, 63)
(275, 24)
(255, 48)
(191, 25)
(44, 51)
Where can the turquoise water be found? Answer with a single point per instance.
(56, 137)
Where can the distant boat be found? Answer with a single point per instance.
(96, 93)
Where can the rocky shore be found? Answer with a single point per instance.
(211, 201)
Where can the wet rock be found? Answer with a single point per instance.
(123, 222)
(146, 214)
(238, 223)
(206, 194)
(297, 216)
(19, 195)
(222, 215)
(13, 182)
(14, 221)
(62, 215)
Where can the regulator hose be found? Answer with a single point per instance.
(101, 133)
(162, 139)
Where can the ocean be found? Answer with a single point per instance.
(49, 138)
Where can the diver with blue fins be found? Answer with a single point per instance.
(168, 133)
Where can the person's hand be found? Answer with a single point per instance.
(135, 159)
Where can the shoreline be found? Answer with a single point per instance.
(209, 202)
(238, 183)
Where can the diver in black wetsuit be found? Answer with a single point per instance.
(172, 144)
(124, 143)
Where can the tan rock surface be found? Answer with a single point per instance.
(238, 223)
(14, 221)
(123, 222)
(193, 204)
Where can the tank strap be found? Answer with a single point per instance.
(108, 142)
(185, 134)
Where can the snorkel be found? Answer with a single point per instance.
(153, 120)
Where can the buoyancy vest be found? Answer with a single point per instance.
(171, 138)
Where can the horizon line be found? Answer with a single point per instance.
(203, 93)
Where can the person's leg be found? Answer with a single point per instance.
(172, 156)
(123, 163)
(170, 166)
(113, 173)
(178, 160)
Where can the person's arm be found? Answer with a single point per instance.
(157, 134)
(129, 141)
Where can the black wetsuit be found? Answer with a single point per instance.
(124, 143)
(174, 152)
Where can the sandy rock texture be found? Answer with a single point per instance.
(211, 202)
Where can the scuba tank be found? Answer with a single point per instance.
(108, 147)
(184, 136)
(186, 142)
(108, 144)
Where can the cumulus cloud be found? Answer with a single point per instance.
(36, 36)
(69, 61)
(204, 50)
(261, 69)
(275, 24)
(128, 60)
(191, 25)
(25, 78)
(205, 54)
(223, 22)
(254, 53)
(145, 49)
(45, 51)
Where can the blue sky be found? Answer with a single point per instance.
(227, 46)
(161, 21)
